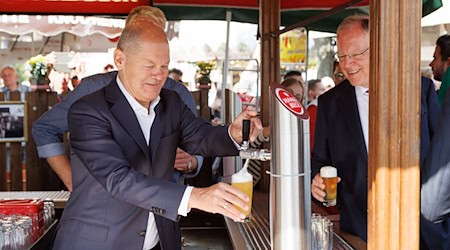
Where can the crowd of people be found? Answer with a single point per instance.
(134, 141)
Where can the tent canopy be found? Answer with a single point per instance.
(292, 11)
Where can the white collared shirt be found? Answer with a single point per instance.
(362, 99)
(145, 118)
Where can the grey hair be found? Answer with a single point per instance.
(147, 12)
(360, 19)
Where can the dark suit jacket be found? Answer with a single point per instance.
(435, 192)
(118, 179)
(339, 142)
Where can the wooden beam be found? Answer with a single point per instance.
(394, 125)
(269, 21)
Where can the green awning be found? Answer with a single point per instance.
(288, 17)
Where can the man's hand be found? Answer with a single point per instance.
(255, 125)
(220, 198)
(185, 162)
(318, 188)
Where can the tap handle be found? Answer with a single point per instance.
(245, 130)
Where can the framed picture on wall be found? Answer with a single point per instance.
(13, 121)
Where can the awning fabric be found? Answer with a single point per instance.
(57, 24)
(292, 11)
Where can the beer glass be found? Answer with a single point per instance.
(329, 175)
(243, 180)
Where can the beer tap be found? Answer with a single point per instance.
(248, 153)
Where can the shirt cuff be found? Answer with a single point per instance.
(183, 209)
(197, 170)
(262, 138)
(235, 143)
(50, 150)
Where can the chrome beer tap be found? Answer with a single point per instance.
(248, 153)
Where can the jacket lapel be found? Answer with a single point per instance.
(156, 130)
(349, 109)
(123, 112)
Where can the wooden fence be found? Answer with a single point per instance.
(31, 173)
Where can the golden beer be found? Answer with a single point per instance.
(329, 175)
(244, 182)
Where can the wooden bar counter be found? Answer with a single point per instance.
(256, 233)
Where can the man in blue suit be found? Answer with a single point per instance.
(341, 137)
(51, 126)
(124, 137)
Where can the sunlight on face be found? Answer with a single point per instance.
(143, 70)
(353, 40)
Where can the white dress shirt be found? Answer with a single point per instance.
(145, 118)
(362, 99)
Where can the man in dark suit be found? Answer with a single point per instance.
(124, 137)
(51, 126)
(341, 138)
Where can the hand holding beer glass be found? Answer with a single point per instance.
(330, 180)
(243, 180)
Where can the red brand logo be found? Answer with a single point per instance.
(289, 101)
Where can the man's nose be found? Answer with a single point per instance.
(158, 73)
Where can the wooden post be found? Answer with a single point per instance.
(394, 125)
(15, 155)
(269, 21)
(40, 176)
(3, 175)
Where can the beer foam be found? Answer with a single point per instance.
(328, 172)
(241, 176)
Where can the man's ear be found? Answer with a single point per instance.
(447, 62)
(119, 58)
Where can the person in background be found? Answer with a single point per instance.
(124, 138)
(315, 89)
(296, 75)
(49, 128)
(176, 74)
(338, 76)
(75, 81)
(342, 140)
(295, 87)
(441, 65)
(435, 199)
(11, 84)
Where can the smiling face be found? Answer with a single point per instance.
(353, 40)
(144, 65)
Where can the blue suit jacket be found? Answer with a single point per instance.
(49, 128)
(118, 179)
(339, 142)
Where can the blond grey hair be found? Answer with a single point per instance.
(361, 19)
(147, 12)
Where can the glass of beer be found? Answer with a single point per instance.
(329, 175)
(243, 180)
